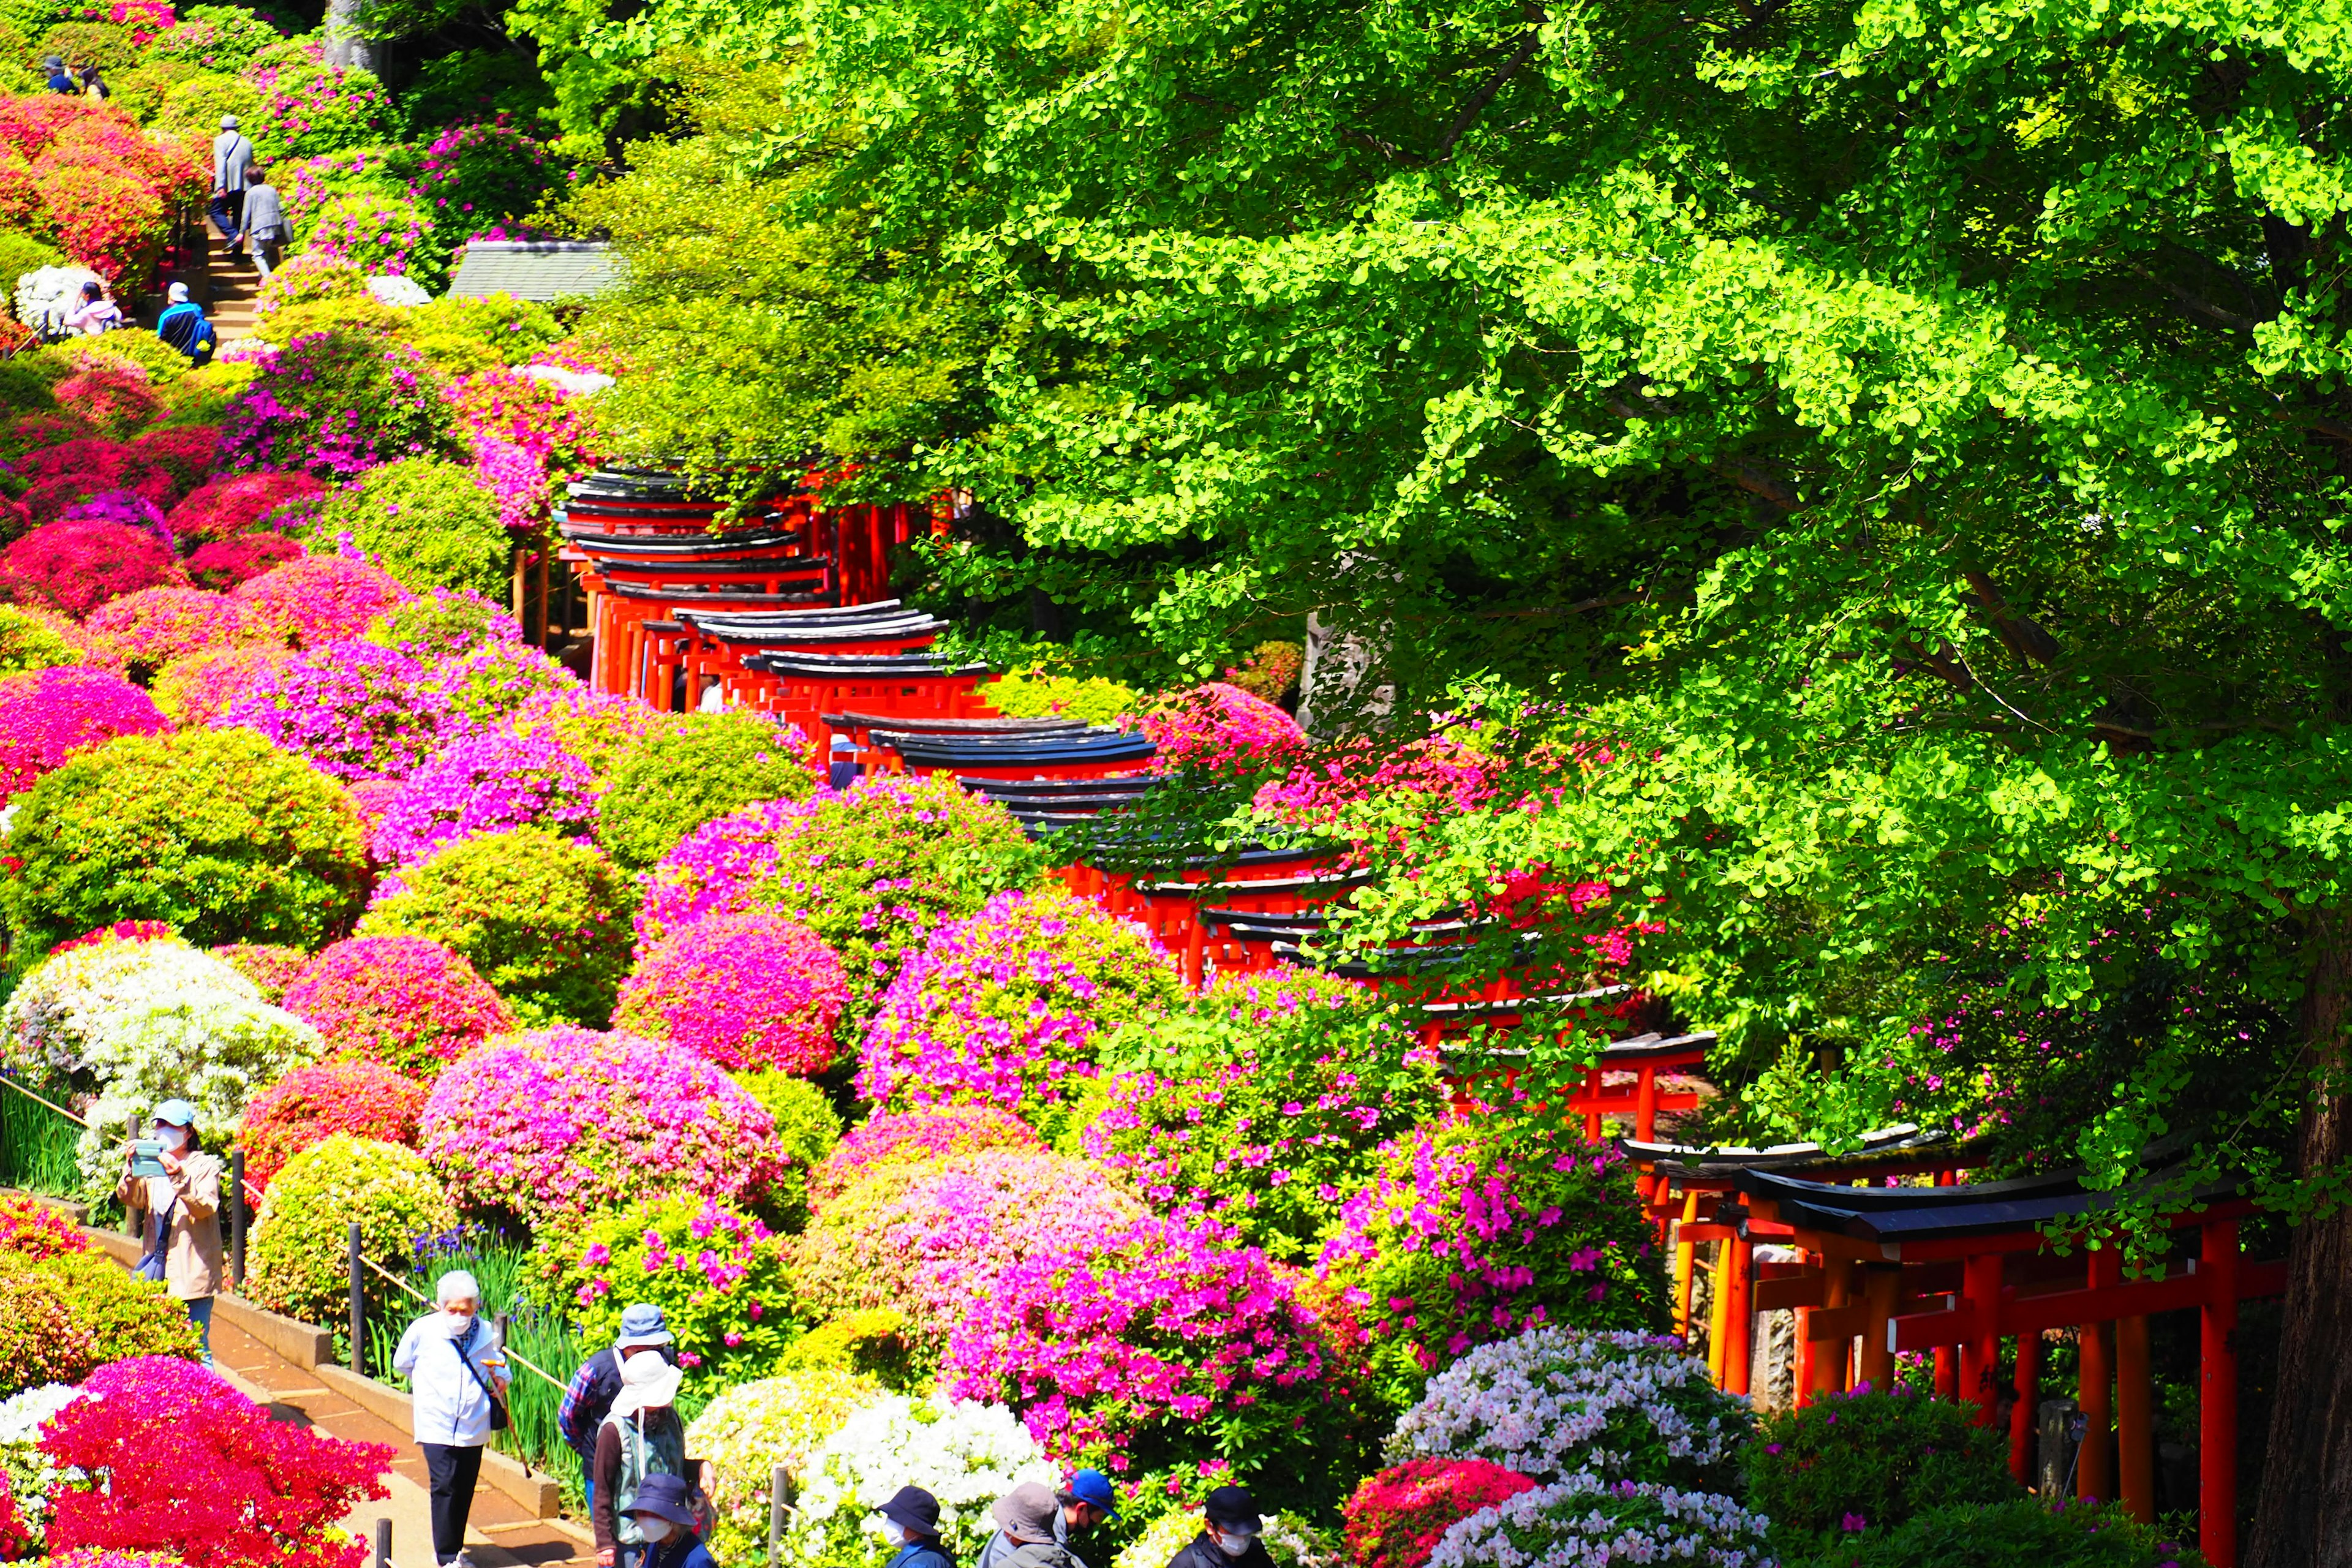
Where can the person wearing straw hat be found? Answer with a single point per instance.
(911, 1522)
(458, 1381)
(179, 1215)
(664, 1513)
(642, 1437)
(1229, 1537)
(588, 1398)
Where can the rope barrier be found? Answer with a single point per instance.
(252, 1194)
(553, 1381)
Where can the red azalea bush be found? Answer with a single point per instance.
(748, 991)
(112, 399)
(186, 452)
(312, 1104)
(226, 564)
(234, 503)
(85, 465)
(74, 567)
(1394, 1519)
(140, 633)
(47, 715)
(32, 1229)
(229, 1489)
(912, 1137)
(1217, 725)
(409, 1004)
(102, 187)
(320, 598)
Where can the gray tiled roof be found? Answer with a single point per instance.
(536, 269)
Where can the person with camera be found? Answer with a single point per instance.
(451, 1359)
(173, 1188)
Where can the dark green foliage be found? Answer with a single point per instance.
(1850, 1462)
(2022, 1532)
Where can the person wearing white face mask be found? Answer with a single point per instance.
(911, 1522)
(451, 1359)
(1229, 1534)
(664, 1513)
(179, 1215)
(642, 1439)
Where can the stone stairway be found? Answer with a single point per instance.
(225, 285)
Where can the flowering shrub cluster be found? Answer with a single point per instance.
(38, 639)
(1552, 1401)
(401, 1001)
(217, 38)
(697, 768)
(1004, 1007)
(718, 1275)
(299, 1262)
(234, 1489)
(443, 623)
(31, 1228)
(933, 1239)
(91, 179)
(748, 991)
(486, 784)
(356, 709)
(1218, 727)
(754, 1427)
(74, 566)
(270, 966)
(1394, 1517)
(1038, 694)
(320, 599)
(336, 403)
(925, 1133)
(195, 692)
(47, 715)
(377, 235)
(32, 1477)
(526, 437)
(225, 563)
(140, 633)
(66, 1314)
(1582, 1521)
(1871, 1460)
(1270, 671)
(326, 109)
(366, 1101)
(425, 523)
(562, 1121)
(966, 1455)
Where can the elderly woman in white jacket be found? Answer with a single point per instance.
(456, 1375)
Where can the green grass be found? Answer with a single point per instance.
(38, 1152)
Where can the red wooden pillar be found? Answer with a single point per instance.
(2135, 1428)
(1646, 1104)
(1947, 1373)
(1980, 1352)
(2217, 1396)
(1743, 1316)
(2023, 1419)
(2095, 1466)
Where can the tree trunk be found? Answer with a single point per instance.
(348, 45)
(2305, 1517)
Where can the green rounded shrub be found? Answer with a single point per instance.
(2023, 1533)
(544, 920)
(64, 1316)
(424, 521)
(218, 833)
(720, 1278)
(299, 1260)
(806, 1130)
(1880, 1457)
(29, 640)
(698, 771)
(1037, 693)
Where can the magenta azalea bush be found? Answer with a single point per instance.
(47, 715)
(409, 1004)
(1004, 1007)
(486, 784)
(913, 1137)
(1217, 726)
(336, 404)
(320, 599)
(718, 1275)
(931, 1239)
(357, 710)
(555, 1125)
(1170, 1339)
(749, 991)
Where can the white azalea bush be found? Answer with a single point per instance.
(1554, 1402)
(32, 1476)
(45, 1027)
(963, 1453)
(1586, 1522)
(753, 1427)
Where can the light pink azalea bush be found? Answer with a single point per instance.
(932, 1238)
(47, 715)
(139, 633)
(407, 1003)
(320, 599)
(1003, 1007)
(485, 783)
(552, 1125)
(913, 1137)
(1217, 725)
(748, 991)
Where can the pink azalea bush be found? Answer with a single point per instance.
(1004, 1007)
(140, 633)
(191, 692)
(409, 1004)
(355, 708)
(1115, 1354)
(47, 715)
(320, 599)
(925, 1133)
(234, 503)
(526, 437)
(932, 1238)
(1219, 726)
(748, 991)
(557, 1123)
(485, 783)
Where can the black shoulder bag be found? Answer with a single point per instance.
(465, 1344)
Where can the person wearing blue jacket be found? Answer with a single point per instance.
(456, 1376)
(911, 1522)
(665, 1515)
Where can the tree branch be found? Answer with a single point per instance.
(1488, 88)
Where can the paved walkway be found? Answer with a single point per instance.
(499, 1535)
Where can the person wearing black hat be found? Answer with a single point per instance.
(911, 1522)
(1229, 1537)
(663, 1512)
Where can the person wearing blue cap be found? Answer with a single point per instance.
(664, 1513)
(911, 1522)
(589, 1397)
(1087, 1501)
(179, 1214)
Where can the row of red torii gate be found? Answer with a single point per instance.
(1883, 1254)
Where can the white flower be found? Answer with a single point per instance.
(1586, 1522)
(965, 1454)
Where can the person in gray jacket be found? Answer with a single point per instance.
(265, 221)
(1089, 1500)
(232, 164)
(1025, 1517)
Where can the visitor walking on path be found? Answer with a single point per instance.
(183, 326)
(1085, 1502)
(451, 1359)
(1229, 1538)
(642, 1437)
(911, 1522)
(60, 78)
(589, 1398)
(93, 82)
(265, 220)
(665, 1515)
(1024, 1517)
(93, 313)
(232, 166)
(179, 1214)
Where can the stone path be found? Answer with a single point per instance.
(501, 1535)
